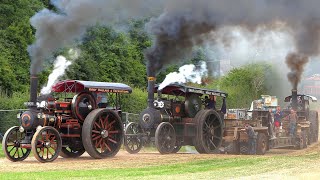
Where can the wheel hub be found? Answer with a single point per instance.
(16, 143)
(47, 144)
(104, 133)
(212, 131)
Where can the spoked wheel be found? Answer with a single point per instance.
(132, 138)
(209, 131)
(71, 152)
(102, 133)
(11, 145)
(46, 144)
(165, 138)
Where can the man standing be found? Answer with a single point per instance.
(293, 117)
(251, 139)
(277, 119)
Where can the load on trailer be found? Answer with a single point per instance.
(86, 117)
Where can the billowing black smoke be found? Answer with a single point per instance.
(183, 25)
(186, 24)
(55, 30)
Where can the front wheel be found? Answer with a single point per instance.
(165, 138)
(132, 138)
(46, 144)
(11, 145)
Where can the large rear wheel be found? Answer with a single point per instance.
(209, 131)
(46, 144)
(11, 145)
(102, 133)
(165, 138)
(133, 138)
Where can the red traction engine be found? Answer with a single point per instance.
(86, 119)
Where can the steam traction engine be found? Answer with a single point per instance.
(177, 118)
(80, 122)
(307, 127)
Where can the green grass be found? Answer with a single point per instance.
(214, 168)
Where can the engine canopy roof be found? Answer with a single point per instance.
(182, 90)
(75, 86)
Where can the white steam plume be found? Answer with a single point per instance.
(187, 73)
(60, 65)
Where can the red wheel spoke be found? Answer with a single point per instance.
(95, 131)
(47, 135)
(106, 122)
(52, 140)
(110, 125)
(98, 143)
(107, 146)
(114, 132)
(101, 122)
(112, 140)
(47, 152)
(96, 124)
(96, 137)
(101, 145)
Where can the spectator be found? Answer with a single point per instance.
(252, 137)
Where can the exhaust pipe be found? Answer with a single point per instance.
(294, 99)
(33, 90)
(151, 83)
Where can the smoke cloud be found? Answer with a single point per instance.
(186, 24)
(187, 73)
(55, 30)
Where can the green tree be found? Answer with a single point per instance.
(245, 84)
(107, 55)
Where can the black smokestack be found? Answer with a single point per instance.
(151, 83)
(33, 89)
(294, 99)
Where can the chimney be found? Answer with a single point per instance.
(151, 83)
(33, 89)
(294, 99)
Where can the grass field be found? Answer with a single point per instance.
(212, 168)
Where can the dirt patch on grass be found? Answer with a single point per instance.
(126, 160)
